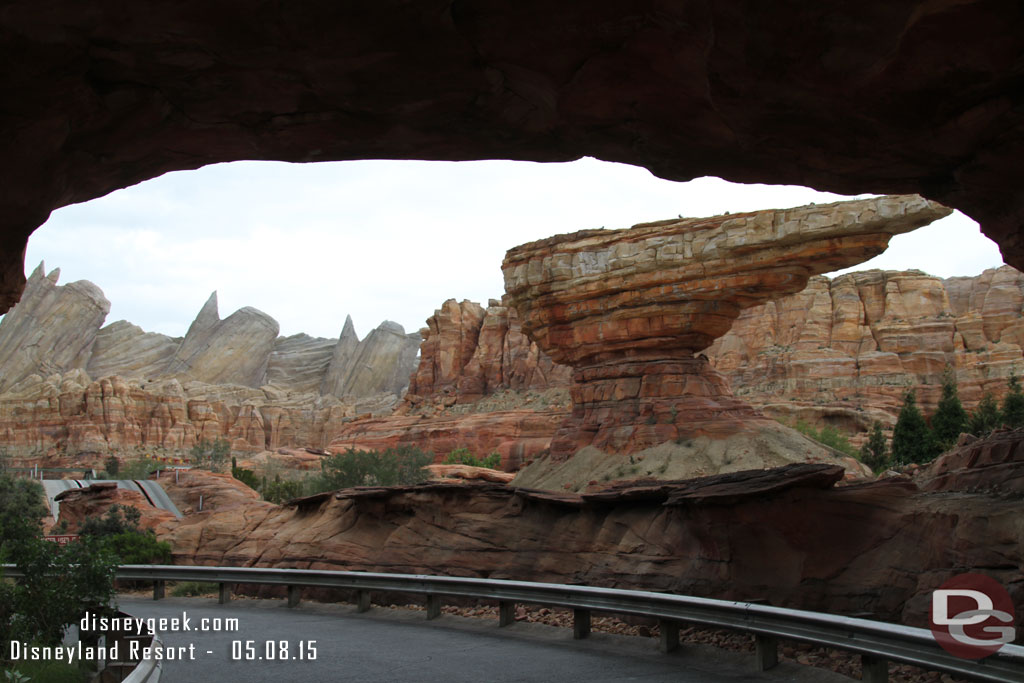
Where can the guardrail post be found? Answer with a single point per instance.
(874, 669)
(669, 631)
(580, 623)
(225, 593)
(433, 606)
(767, 650)
(294, 596)
(506, 612)
(362, 601)
(158, 589)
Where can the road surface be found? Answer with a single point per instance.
(401, 646)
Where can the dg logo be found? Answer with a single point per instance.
(972, 616)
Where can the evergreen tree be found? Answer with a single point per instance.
(950, 418)
(986, 417)
(875, 453)
(912, 440)
(1013, 404)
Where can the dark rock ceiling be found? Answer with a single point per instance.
(886, 97)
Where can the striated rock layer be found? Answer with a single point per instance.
(628, 309)
(914, 96)
(69, 385)
(785, 535)
(843, 352)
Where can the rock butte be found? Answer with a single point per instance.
(628, 309)
(896, 97)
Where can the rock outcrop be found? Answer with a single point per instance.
(915, 96)
(786, 535)
(72, 386)
(469, 352)
(518, 436)
(235, 350)
(53, 330)
(628, 309)
(843, 352)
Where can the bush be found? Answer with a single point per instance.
(463, 456)
(118, 530)
(828, 436)
(60, 584)
(247, 477)
(191, 589)
(279, 491)
(394, 467)
(112, 466)
(21, 509)
(211, 455)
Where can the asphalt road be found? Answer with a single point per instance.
(400, 645)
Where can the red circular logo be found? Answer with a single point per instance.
(972, 616)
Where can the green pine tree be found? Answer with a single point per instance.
(1013, 404)
(912, 440)
(875, 453)
(986, 416)
(950, 418)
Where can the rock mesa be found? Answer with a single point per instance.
(629, 309)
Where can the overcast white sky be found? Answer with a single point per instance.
(385, 240)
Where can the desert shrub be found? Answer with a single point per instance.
(191, 589)
(463, 456)
(393, 467)
(828, 436)
(281, 490)
(247, 477)
(112, 466)
(137, 468)
(211, 455)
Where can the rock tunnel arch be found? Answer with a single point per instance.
(918, 96)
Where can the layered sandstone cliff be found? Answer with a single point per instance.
(70, 385)
(843, 352)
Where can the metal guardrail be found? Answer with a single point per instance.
(877, 642)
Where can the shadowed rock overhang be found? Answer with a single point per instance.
(899, 97)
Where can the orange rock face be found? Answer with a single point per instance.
(844, 352)
(469, 352)
(786, 534)
(628, 309)
(517, 435)
(95, 500)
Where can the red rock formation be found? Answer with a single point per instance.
(469, 352)
(844, 352)
(629, 308)
(74, 415)
(517, 435)
(916, 96)
(785, 535)
(95, 500)
(992, 464)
